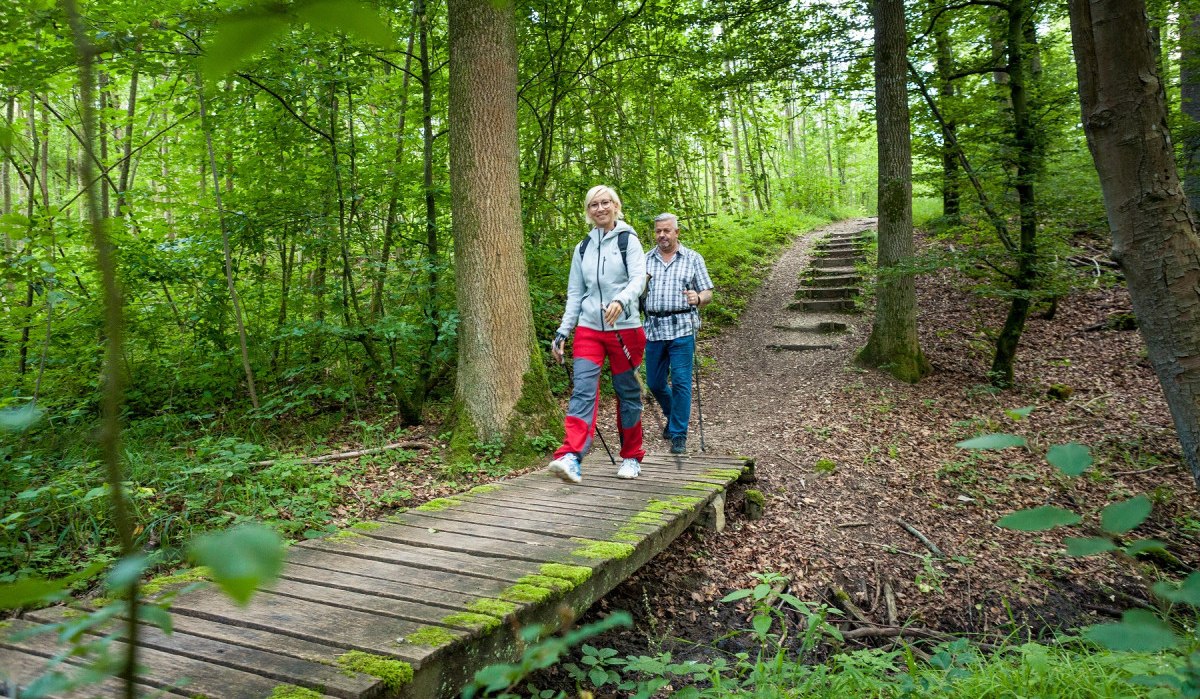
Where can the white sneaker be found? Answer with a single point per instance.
(630, 468)
(566, 467)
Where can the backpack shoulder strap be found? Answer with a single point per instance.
(583, 245)
(623, 244)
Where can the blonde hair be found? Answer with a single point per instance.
(597, 191)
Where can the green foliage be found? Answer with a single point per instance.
(240, 560)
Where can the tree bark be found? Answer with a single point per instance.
(1154, 230)
(1189, 91)
(893, 344)
(498, 358)
(951, 195)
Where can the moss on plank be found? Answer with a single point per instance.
(522, 593)
(492, 607)
(291, 691)
(393, 673)
(602, 550)
(545, 581)
(706, 487)
(726, 473)
(432, 636)
(366, 526)
(576, 575)
(439, 504)
(485, 488)
(482, 622)
(756, 497)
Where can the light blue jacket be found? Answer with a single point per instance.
(599, 278)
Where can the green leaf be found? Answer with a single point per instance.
(241, 559)
(237, 39)
(1039, 519)
(1089, 546)
(762, 624)
(737, 595)
(28, 591)
(350, 17)
(992, 441)
(1018, 414)
(125, 573)
(156, 616)
(761, 590)
(1145, 545)
(1121, 517)
(1186, 593)
(1139, 630)
(1072, 459)
(598, 676)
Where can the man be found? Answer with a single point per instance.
(679, 286)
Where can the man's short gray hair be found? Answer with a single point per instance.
(667, 217)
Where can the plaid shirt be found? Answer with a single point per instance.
(667, 284)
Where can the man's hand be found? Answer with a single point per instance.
(556, 347)
(693, 297)
(613, 312)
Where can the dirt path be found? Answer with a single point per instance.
(847, 458)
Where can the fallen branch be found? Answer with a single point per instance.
(889, 598)
(349, 454)
(921, 537)
(1144, 470)
(847, 525)
(878, 631)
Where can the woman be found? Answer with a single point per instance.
(602, 294)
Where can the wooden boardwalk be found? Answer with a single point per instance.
(415, 604)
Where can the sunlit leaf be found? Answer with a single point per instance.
(1039, 519)
(762, 624)
(1089, 546)
(1138, 630)
(237, 39)
(992, 441)
(347, 16)
(1121, 517)
(241, 559)
(1072, 459)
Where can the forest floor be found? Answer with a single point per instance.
(887, 455)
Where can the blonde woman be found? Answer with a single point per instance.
(608, 272)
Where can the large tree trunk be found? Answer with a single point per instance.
(1189, 92)
(1154, 230)
(499, 363)
(893, 343)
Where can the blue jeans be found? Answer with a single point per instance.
(672, 357)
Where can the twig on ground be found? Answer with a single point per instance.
(349, 454)
(921, 537)
(889, 598)
(847, 525)
(1144, 470)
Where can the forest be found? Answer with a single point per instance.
(239, 235)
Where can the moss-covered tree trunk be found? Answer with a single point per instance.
(893, 343)
(501, 393)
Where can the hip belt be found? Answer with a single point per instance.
(664, 314)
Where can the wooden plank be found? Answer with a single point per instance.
(383, 570)
(460, 521)
(308, 620)
(174, 672)
(418, 558)
(450, 541)
(18, 668)
(285, 669)
(348, 580)
(358, 601)
(537, 511)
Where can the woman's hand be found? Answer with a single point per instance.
(556, 347)
(613, 312)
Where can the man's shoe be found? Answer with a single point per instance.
(566, 467)
(678, 445)
(630, 468)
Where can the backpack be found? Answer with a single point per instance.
(623, 246)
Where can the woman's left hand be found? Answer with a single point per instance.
(613, 312)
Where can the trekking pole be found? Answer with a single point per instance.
(696, 380)
(571, 378)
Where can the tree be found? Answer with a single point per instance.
(501, 393)
(893, 342)
(1154, 230)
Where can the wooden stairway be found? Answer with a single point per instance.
(412, 605)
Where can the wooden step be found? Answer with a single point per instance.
(824, 306)
(812, 278)
(833, 263)
(824, 327)
(827, 292)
